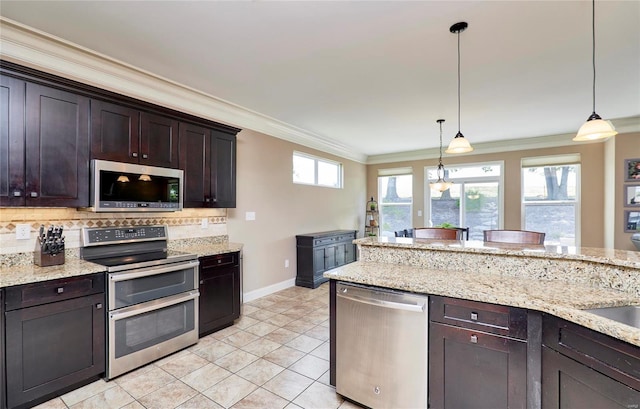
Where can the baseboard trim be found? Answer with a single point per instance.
(274, 288)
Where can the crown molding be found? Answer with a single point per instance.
(36, 49)
(622, 125)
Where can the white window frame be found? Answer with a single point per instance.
(499, 179)
(555, 160)
(316, 160)
(395, 172)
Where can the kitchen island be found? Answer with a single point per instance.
(507, 323)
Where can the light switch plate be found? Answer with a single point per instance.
(23, 231)
(250, 216)
(204, 223)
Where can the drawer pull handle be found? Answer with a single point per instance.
(134, 154)
(474, 339)
(60, 290)
(99, 306)
(474, 316)
(219, 261)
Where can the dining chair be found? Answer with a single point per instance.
(436, 233)
(514, 236)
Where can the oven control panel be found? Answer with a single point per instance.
(110, 235)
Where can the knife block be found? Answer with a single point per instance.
(45, 259)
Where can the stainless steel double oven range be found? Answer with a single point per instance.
(152, 294)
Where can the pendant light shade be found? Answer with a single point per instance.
(595, 128)
(459, 144)
(441, 184)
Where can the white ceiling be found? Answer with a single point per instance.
(374, 76)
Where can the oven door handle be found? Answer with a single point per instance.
(153, 305)
(152, 271)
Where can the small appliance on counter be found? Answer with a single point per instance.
(635, 239)
(49, 247)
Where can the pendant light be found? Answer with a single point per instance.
(441, 184)
(459, 144)
(595, 128)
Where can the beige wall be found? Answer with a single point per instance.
(284, 209)
(626, 146)
(592, 157)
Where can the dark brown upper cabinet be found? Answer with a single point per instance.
(123, 134)
(44, 143)
(208, 158)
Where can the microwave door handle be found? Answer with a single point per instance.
(153, 271)
(153, 305)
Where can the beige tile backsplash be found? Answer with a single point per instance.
(183, 224)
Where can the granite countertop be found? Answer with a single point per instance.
(622, 258)
(559, 298)
(19, 268)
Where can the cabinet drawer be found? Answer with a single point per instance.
(615, 358)
(226, 259)
(324, 240)
(345, 238)
(495, 319)
(45, 292)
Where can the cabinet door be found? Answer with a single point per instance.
(2, 366)
(57, 148)
(52, 347)
(330, 257)
(114, 132)
(472, 369)
(350, 253)
(569, 384)
(195, 154)
(12, 94)
(219, 303)
(223, 170)
(319, 257)
(158, 141)
(341, 254)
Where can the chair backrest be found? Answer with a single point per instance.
(436, 233)
(514, 236)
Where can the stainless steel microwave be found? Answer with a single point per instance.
(126, 187)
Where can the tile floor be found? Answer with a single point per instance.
(275, 356)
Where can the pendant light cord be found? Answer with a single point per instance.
(593, 50)
(459, 82)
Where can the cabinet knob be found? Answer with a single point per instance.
(99, 306)
(145, 156)
(219, 261)
(60, 290)
(134, 154)
(474, 339)
(33, 194)
(474, 316)
(17, 193)
(201, 281)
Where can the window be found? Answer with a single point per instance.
(474, 200)
(551, 198)
(312, 170)
(395, 190)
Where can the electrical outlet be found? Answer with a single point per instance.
(286, 263)
(250, 216)
(23, 231)
(204, 223)
(419, 213)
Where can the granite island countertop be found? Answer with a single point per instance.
(561, 283)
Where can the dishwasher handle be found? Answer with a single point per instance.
(383, 303)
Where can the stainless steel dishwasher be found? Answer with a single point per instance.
(381, 347)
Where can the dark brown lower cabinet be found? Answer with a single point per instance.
(582, 368)
(57, 346)
(474, 369)
(219, 303)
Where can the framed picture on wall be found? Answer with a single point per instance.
(632, 221)
(632, 195)
(632, 170)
